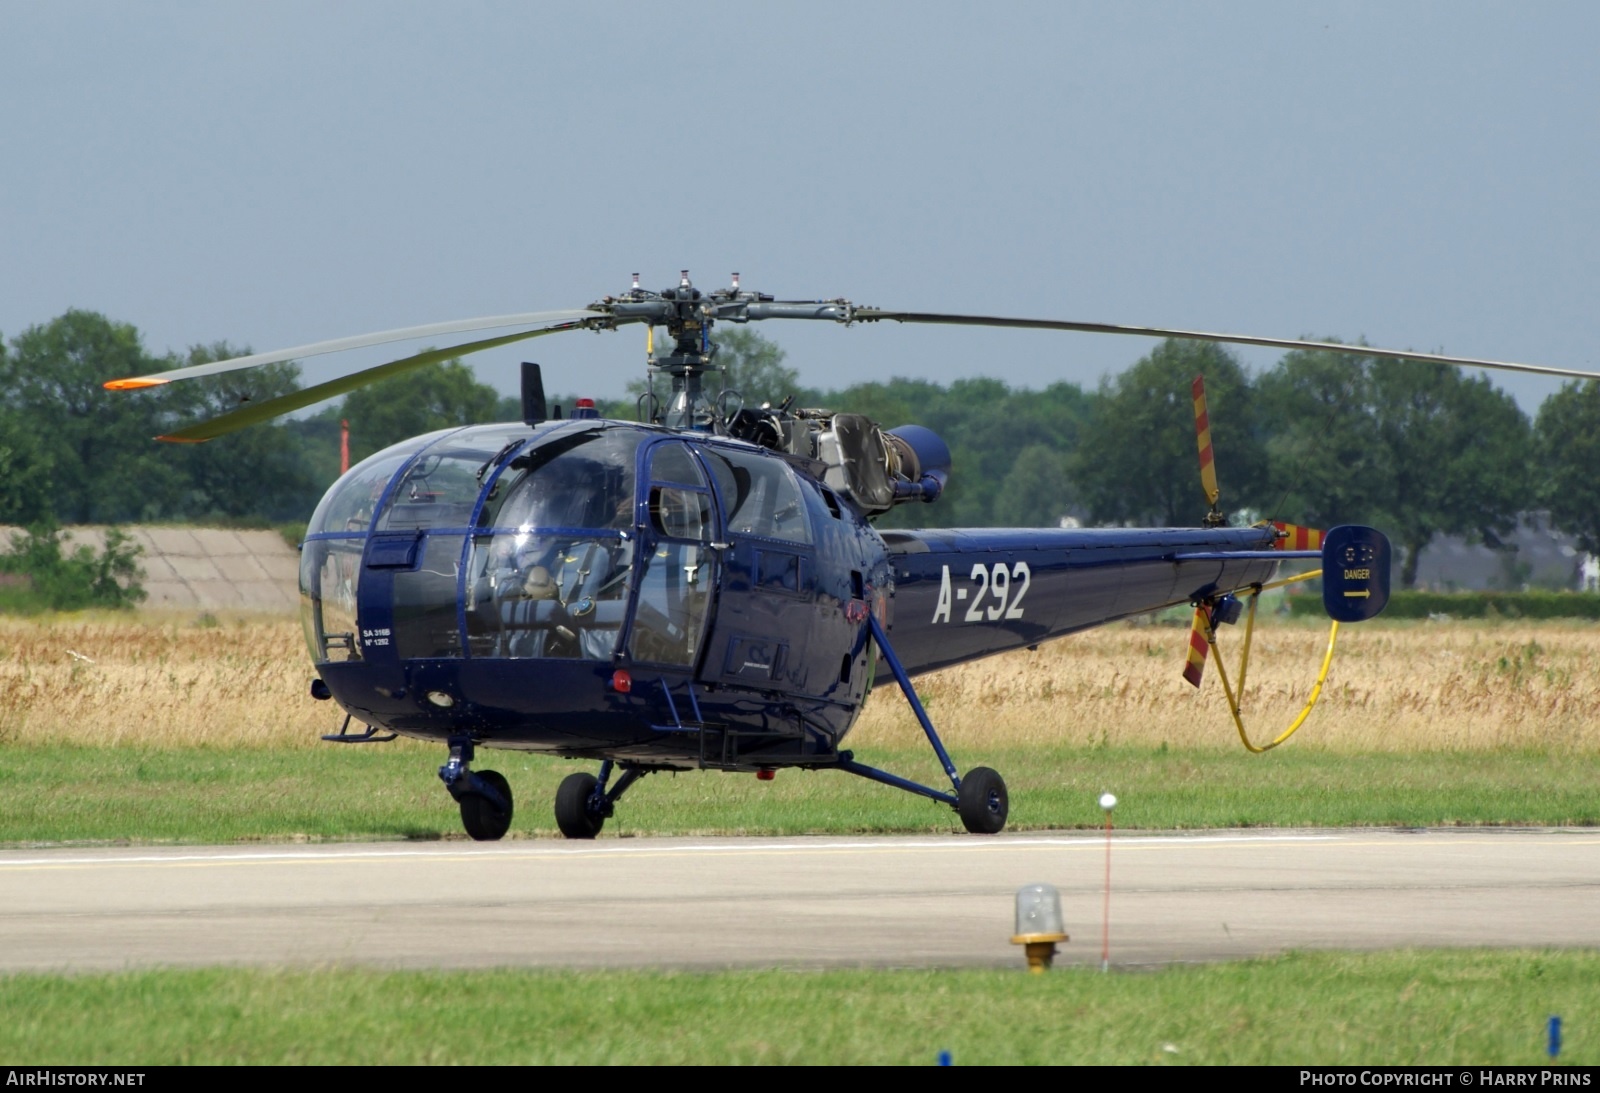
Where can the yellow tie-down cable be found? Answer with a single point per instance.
(1244, 664)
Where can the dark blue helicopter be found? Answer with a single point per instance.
(704, 588)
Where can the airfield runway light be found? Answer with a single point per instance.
(441, 699)
(1108, 801)
(1039, 925)
(621, 681)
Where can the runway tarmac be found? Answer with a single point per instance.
(793, 902)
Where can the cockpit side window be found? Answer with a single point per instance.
(671, 462)
(759, 495)
(680, 514)
(678, 511)
(675, 576)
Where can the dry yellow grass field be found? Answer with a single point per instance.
(111, 678)
(242, 681)
(1393, 687)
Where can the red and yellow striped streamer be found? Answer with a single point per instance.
(1295, 537)
(1202, 432)
(1198, 648)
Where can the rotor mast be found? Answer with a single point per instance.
(688, 315)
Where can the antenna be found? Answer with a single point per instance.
(534, 409)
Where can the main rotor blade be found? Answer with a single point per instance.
(871, 314)
(257, 412)
(359, 341)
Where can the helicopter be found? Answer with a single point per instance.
(704, 587)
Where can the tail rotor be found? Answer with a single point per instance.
(1194, 668)
(1208, 467)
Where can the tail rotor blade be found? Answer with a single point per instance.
(1202, 435)
(1208, 466)
(1195, 667)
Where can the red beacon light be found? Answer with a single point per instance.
(621, 681)
(584, 408)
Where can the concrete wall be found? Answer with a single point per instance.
(205, 569)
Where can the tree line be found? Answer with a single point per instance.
(1319, 439)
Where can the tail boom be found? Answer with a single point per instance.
(963, 595)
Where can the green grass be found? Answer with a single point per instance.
(1466, 1007)
(211, 795)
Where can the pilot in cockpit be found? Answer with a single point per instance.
(560, 593)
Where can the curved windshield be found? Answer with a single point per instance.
(330, 559)
(548, 575)
(582, 480)
(349, 505)
(329, 572)
(441, 486)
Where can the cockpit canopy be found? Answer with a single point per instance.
(508, 541)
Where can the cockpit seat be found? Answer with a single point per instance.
(571, 607)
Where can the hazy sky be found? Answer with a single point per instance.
(1422, 175)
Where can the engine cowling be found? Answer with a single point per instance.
(875, 468)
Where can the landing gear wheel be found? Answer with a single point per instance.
(573, 816)
(984, 804)
(484, 820)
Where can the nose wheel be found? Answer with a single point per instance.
(484, 796)
(583, 801)
(574, 816)
(485, 818)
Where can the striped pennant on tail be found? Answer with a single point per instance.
(1295, 537)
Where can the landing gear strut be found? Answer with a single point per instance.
(484, 796)
(583, 802)
(980, 799)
